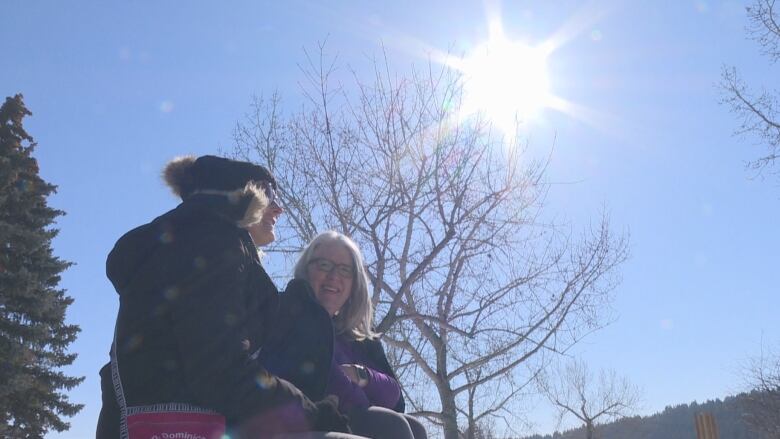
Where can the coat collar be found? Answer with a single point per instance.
(227, 208)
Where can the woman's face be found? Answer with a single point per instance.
(331, 274)
(263, 232)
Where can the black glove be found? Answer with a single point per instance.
(328, 418)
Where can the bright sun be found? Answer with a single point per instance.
(506, 81)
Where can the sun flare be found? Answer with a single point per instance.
(506, 81)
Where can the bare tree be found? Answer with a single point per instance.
(762, 402)
(758, 111)
(488, 404)
(469, 283)
(575, 391)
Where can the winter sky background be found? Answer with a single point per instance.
(119, 88)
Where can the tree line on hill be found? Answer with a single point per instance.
(675, 422)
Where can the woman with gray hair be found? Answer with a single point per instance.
(360, 374)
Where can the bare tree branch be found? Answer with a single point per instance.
(575, 391)
(468, 283)
(757, 113)
(762, 402)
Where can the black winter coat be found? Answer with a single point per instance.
(195, 304)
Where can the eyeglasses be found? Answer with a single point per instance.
(342, 270)
(270, 193)
(271, 196)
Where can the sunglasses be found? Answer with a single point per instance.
(270, 193)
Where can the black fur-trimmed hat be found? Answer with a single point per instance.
(187, 175)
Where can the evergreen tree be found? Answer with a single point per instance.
(33, 334)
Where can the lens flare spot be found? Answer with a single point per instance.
(166, 106)
(171, 293)
(166, 237)
(264, 381)
(22, 185)
(199, 262)
(134, 342)
(307, 367)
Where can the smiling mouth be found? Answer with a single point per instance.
(329, 290)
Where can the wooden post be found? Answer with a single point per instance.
(706, 428)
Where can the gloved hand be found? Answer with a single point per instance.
(327, 416)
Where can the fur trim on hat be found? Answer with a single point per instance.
(181, 176)
(178, 176)
(255, 210)
(254, 213)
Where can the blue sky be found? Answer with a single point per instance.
(119, 88)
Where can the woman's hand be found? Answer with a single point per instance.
(350, 372)
(356, 373)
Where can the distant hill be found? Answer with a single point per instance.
(675, 422)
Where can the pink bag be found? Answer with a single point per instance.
(165, 424)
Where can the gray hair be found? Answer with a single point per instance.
(355, 317)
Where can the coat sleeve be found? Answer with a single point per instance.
(382, 389)
(209, 322)
(298, 345)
